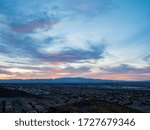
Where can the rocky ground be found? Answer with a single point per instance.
(35, 98)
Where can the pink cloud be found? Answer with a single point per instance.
(30, 27)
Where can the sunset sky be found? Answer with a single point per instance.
(102, 39)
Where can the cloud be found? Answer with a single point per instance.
(3, 23)
(124, 68)
(88, 7)
(147, 59)
(27, 11)
(77, 70)
(32, 26)
(23, 18)
(43, 72)
(68, 54)
(3, 71)
(18, 44)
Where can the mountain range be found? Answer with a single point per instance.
(63, 80)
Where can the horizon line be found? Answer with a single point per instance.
(74, 78)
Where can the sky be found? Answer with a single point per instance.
(101, 39)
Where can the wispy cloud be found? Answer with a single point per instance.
(2, 71)
(124, 68)
(147, 59)
(88, 7)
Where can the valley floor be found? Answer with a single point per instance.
(72, 98)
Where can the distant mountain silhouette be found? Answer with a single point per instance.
(62, 80)
(58, 80)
